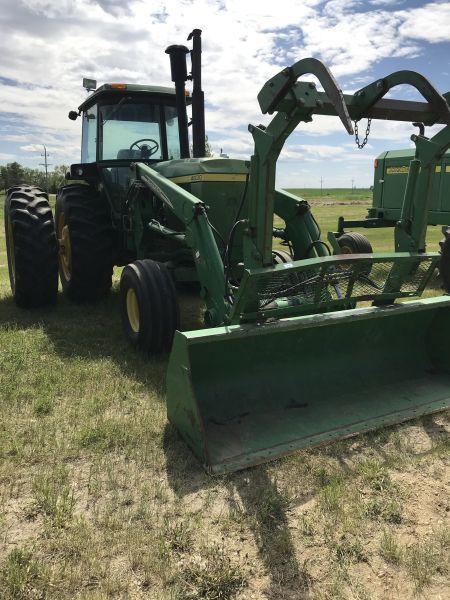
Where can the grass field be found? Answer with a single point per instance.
(100, 499)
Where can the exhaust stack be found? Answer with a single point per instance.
(198, 97)
(178, 70)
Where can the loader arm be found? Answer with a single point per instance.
(371, 94)
(295, 102)
(410, 231)
(278, 87)
(199, 236)
(270, 141)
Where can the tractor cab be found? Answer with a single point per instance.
(124, 123)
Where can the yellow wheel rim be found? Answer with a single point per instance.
(12, 258)
(65, 249)
(133, 310)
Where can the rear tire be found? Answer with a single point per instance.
(31, 247)
(354, 243)
(149, 306)
(85, 238)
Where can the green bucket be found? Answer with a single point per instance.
(242, 395)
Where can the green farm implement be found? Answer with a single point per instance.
(391, 170)
(300, 346)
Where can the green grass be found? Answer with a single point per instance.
(21, 576)
(99, 498)
(341, 202)
(54, 496)
(333, 194)
(390, 549)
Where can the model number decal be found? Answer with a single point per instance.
(397, 170)
(405, 170)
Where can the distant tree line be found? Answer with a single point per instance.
(14, 174)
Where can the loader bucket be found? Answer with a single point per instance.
(245, 394)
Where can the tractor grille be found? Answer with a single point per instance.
(320, 284)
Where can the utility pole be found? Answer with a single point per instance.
(353, 186)
(321, 185)
(45, 164)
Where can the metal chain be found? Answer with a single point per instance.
(365, 140)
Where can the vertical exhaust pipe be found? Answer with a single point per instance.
(178, 70)
(198, 97)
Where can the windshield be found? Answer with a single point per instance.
(131, 131)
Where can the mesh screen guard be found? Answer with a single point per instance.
(319, 284)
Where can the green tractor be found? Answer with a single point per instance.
(301, 345)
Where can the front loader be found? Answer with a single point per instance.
(301, 346)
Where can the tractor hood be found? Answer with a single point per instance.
(191, 170)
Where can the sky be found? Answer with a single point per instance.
(48, 46)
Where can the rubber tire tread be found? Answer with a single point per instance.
(281, 257)
(88, 218)
(35, 246)
(158, 305)
(358, 242)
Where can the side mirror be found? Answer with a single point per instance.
(73, 115)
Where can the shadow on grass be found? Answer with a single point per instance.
(255, 495)
(94, 331)
(252, 497)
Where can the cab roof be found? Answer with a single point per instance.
(125, 88)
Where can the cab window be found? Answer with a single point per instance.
(89, 135)
(130, 131)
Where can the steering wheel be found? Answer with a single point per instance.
(146, 151)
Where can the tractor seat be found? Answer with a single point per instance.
(127, 154)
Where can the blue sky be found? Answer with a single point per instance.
(47, 46)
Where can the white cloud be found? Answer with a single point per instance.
(386, 2)
(430, 23)
(13, 138)
(244, 45)
(31, 148)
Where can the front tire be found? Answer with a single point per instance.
(31, 247)
(85, 239)
(149, 306)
